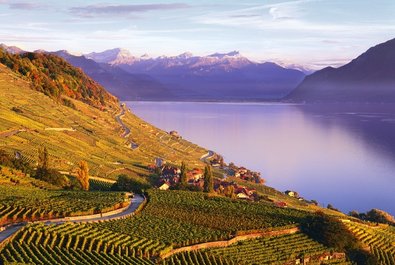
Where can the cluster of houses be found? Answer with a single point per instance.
(170, 177)
(244, 174)
(234, 190)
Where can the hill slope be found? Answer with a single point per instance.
(56, 78)
(368, 78)
(30, 119)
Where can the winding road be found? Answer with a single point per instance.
(126, 130)
(127, 211)
(205, 157)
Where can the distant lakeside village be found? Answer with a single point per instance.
(229, 179)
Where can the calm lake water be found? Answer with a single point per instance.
(343, 155)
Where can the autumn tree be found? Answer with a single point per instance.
(83, 175)
(183, 176)
(208, 179)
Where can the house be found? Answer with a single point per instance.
(164, 186)
(175, 134)
(195, 174)
(242, 195)
(292, 193)
(281, 204)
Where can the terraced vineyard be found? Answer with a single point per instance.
(77, 244)
(98, 185)
(271, 249)
(96, 139)
(380, 239)
(195, 217)
(23, 198)
(267, 250)
(196, 258)
(33, 254)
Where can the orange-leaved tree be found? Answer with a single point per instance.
(83, 175)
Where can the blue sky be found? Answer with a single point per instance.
(312, 33)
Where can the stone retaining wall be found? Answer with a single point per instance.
(226, 243)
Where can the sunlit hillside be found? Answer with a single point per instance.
(29, 119)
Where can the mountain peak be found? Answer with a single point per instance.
(112, 56)
(11, 49)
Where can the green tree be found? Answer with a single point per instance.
(183, 176)
(208, 179)
(128, 183)
(43, 164)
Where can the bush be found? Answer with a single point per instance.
(54, 177)
(127, 183)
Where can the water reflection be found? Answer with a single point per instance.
(334, 154)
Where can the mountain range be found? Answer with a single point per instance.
(232, 77)
(368, 78)
(228, 76)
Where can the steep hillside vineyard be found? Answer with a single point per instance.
(380, 240)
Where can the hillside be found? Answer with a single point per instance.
(216, 77)
(30, 119)
(56, 78)
(368, 78)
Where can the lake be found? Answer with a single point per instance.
(338, 154)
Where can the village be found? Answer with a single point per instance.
(170, 178)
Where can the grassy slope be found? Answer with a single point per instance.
(96, 139)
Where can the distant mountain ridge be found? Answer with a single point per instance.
(368, 78)
(219, 76)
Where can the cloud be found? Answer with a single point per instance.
(92, 10)
(23, 5)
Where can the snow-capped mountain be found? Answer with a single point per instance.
(114, 56)
(218, 76)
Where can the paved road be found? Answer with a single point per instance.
(136, 202)
(205, 157)
(126, 130)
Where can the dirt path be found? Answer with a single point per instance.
(6, 134)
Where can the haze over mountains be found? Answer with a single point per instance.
(368, 78)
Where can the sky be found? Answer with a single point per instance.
(309, 33)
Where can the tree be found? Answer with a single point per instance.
(43, 164)
(128, 183)
(183, 176)
(83, 175)
(208, 179)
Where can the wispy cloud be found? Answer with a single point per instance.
(94, 10)
(23, 5)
